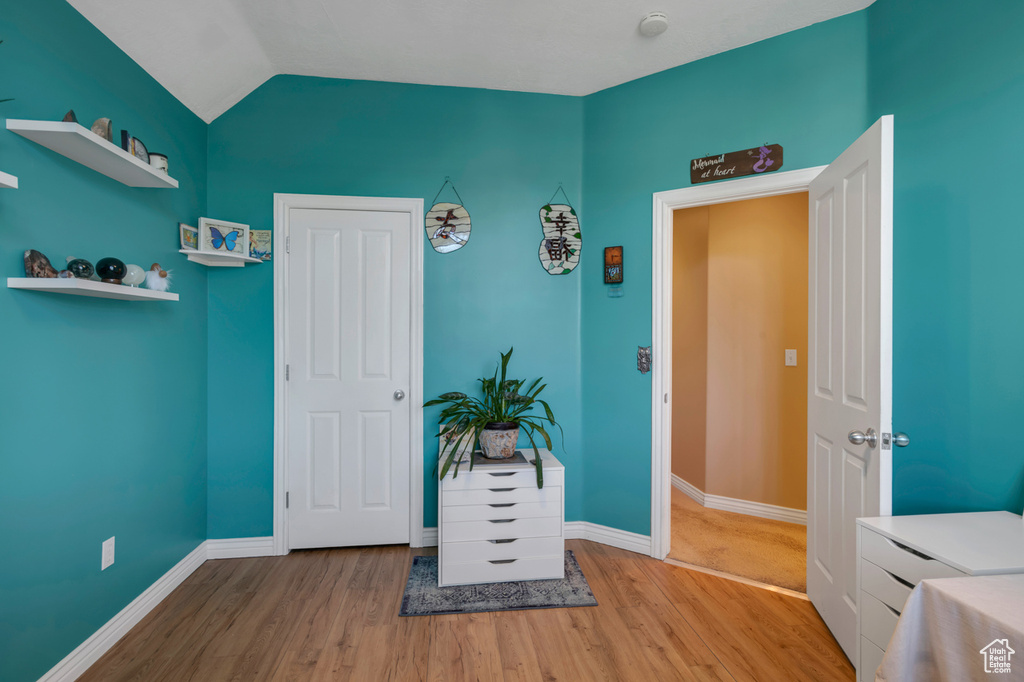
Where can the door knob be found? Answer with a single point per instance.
(399, 394)
(859, 437)
(901, 439)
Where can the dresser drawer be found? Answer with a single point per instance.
(903, 563)
(488, 550)
(877, 621)
(452, 498)
(870, 660)
(535, 568)
(510, 510)
(502, 529)
(883, 585)
(472, 480)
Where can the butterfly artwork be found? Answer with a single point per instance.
(223, 237)
(560, 248)
(228, 240)
(448, 226)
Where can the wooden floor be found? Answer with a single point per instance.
(333, 615)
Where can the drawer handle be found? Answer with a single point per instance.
(502, 542)
(503, 561)
(507, 473)
(506, 504)
(900, 580)
(501, 490)
(501, 520)
(910, 550)
(894, 611)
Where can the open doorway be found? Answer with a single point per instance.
(739, 379)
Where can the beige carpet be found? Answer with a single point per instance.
(772, 552)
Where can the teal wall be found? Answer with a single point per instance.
(102, 415)
(805, 90)
(506, 153)
(953, 76)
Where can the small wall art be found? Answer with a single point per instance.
(189, 236)
(613, 265)
(260, 244)
(221, 236)
(448, 225)
(560, 248)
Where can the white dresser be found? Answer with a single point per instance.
(897, 552)
(495, 525)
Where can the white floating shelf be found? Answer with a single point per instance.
(82, 145)
(88, 287)
(8, 181)
(218, 260)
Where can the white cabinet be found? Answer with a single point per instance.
(897, 552)
(496, 525)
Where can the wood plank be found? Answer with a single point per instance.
(333, 614)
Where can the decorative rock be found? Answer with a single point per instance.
(38, 265)
(110, 270)
(134, 275)
(103, 128)
(80, 268)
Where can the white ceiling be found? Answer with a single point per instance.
(212, 53)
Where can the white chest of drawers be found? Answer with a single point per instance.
(495, 525)
(897, 552)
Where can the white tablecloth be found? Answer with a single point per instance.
(959, 630)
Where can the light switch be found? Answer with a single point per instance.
(791, 357)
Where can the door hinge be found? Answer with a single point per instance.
(287, 499)
(666, 398)
(288, 244)
(287, 372)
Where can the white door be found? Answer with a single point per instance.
(348, 354)
(850, 371)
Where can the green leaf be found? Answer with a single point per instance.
(578, 235)
(572, 210)
(566, 271)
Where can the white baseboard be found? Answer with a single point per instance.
(89, 651)
(613, 537)
(731, 504)
(430, 537)
(239, 548)
(689, 489)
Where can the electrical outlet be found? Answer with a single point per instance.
(108, 554)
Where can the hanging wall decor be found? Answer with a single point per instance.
(560, 249)
(447, 223)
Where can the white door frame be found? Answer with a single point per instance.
(788, 182)
(414, 208)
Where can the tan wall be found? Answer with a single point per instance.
(690, 344)
(756, 407)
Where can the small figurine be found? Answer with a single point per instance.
(158, 279)
(38, 265)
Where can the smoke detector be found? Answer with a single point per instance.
(653, 24)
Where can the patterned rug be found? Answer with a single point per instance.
(424, 598)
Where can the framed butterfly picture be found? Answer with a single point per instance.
(220, 236)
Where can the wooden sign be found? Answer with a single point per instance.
(736, 164)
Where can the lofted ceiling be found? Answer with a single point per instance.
(212, 53)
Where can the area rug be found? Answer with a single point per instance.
(763, 550)
(423, 597)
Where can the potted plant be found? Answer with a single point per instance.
(493, 421)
